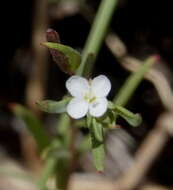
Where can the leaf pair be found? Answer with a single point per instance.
(133, 119)
(67, 58)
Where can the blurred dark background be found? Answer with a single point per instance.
(145, 27)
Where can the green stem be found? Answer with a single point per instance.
(63, 125)
(47, 172)
(97, 32)
(63, 173)
(92, 46)
(133, 82)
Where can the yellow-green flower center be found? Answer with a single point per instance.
(89, 98)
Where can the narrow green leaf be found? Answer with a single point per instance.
(51, 106)
(98, 150)
(47, 172)
(55, 145)
(63, 125)
(63, 169)
(133, 119)
(57, 163)
(108, 120)
(97, 130)
(33, 124)
(63, 128)
(133, 82)
(71, 58)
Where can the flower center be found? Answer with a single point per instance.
(89, 98)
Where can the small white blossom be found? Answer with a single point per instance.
(88, 96)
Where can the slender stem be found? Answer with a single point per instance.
(93, 45)
(66, 165)
(63, 125)
(63, 171)
(48, 171)
(97, 32)
(35, 88)
(132, 82)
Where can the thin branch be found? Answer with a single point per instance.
(147, 153)
(97, 32)
(157, 78)
(35, 89)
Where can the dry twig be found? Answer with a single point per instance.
(157, 137)
(35, 89)
(132, 64)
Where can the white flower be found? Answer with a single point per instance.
(88, 96)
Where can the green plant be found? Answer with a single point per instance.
(59, 152)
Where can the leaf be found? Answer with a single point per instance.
(133, 82)
(63, 126)
(51, 106)
(66, 57)
(108, 120)
(133, 119)
(55, 145)
(33, 125)
(63, 169)
(97, 143)
(48, 171)
(98, 152)
(97, 130)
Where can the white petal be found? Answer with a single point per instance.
(77, 108)
(77, 86)
(98, 107)
(101, 86)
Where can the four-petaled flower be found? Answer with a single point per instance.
(88, 96)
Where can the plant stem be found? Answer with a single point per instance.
(97, 32)
(48, 171)
(132, 82)
(63, 173)
(92, 46)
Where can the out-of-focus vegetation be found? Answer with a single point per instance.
(37, 149)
